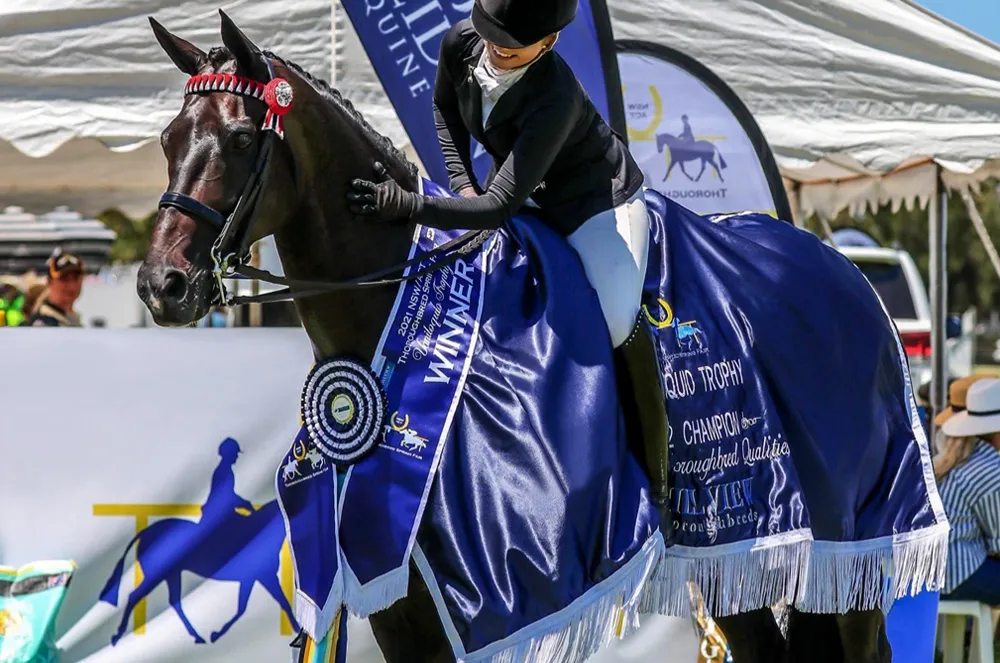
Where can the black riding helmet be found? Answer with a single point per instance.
(520, 23)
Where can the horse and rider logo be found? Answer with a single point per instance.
(306, 461)
(688, 335)
(410, 441)
(232, 540)
(681, 148)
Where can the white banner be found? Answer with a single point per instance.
(111, 434)
(688, 141)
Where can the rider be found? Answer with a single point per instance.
(222, 499)
(499, 81)
(686, 133)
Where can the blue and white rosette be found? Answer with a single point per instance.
(344, 409)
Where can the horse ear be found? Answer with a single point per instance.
(188, 57)
(247, 55)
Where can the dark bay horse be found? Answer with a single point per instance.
(211, 149)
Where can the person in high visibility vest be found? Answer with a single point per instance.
(11, 307)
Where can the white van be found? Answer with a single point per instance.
(898, 283)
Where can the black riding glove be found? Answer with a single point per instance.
(384, 201)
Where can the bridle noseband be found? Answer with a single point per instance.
(230, 252)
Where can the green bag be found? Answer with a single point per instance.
(30, 598)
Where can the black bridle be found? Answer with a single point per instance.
(231, 251)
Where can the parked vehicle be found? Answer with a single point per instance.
(898, 283)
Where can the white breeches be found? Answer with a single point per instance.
(613, 246)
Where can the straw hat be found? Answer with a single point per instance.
(957, 391)
(982, 415)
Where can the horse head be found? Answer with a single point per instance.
(214, 149)
(664, 140)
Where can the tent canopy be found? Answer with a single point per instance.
(86, 91)
(862, 102)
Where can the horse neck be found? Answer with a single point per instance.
(325, 242)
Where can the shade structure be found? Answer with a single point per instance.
(27, 240)
(86, 91)
(862, 102)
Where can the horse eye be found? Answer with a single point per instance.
(243, 140)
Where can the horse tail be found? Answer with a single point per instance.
(722, 160)
(110, 592)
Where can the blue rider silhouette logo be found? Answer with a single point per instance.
(223, 544)
(681, 148)
(688, 335)
(684, 148)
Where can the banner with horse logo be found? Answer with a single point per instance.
(154, 472)
(692, 136)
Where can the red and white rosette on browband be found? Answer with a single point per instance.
(277, 94)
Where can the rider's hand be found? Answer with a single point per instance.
(383, 201)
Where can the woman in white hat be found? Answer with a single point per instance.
(968, 474)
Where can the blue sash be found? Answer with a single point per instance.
(351, 537)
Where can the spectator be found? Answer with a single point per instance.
(65, 280)
(968, 473)
(957, 391)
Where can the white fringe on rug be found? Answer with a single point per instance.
(872, 574)
(813, 576)
(608, 611)
(732, 578)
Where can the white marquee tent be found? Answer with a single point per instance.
(85, 91)
(862, 102)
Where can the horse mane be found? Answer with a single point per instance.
(220, 54)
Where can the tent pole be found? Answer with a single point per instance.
(980, 226)
(938, 241)
(799, 215)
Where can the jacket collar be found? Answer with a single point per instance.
(511, 100)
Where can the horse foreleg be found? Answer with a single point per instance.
(410, 630)
(174, 598)
(753, 637)
(815, 638)
(702, 171)
(669, 168)
(246, 586)
(686, 174)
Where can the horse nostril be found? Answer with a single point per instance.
(175, 285)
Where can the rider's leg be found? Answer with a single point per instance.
(613, 248)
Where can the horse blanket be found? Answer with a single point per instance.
(800, 472)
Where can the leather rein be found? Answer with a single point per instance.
(231, 252)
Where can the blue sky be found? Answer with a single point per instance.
(980, 16)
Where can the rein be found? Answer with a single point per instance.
(230, 251)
